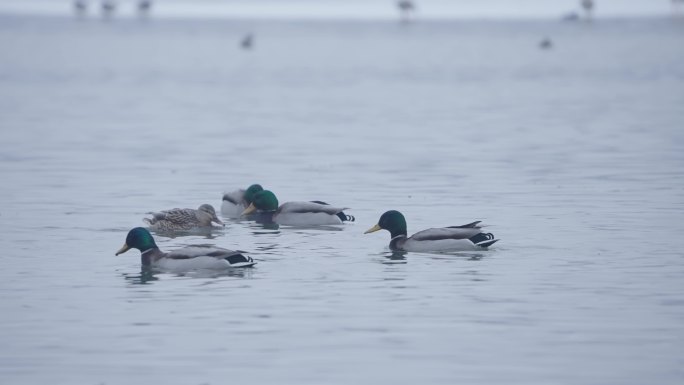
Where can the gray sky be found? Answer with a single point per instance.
(372, 9)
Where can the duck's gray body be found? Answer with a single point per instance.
(198, 257)
(307, 213)
(444, 239)
(233, 203)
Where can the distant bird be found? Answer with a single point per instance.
(588, 6)
(80, 7)
(406, 8)
(144, 7)
(107, 8)
(247, 41)
(546, 43)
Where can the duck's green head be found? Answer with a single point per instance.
(251, 190)
(262, 201)
(392, 221)
(138, 238)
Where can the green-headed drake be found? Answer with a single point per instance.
(443, 239)
(235, 202)
(315, 213)
(183, 219)
(188, 258)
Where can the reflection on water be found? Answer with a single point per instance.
(307, 229)
(404, 256)
(395, 257)
(265, 226)
(243, 272)
(146, 275)
(205, 232)
(149, 274)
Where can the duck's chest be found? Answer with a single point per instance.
(397, 243)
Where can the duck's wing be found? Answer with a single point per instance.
(233, 257)
(175, 216)
(234, 197)
(341, 214)
(309, 207)
(441, 233)
(472, 232)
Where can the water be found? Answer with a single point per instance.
(573, 155)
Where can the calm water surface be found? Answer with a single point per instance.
(574, 156)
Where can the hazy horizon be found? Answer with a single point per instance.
(353, 9)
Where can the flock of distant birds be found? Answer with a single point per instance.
(108, 7)
(261, 206)
(407, 9)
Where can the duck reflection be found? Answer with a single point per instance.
(401, 256)
(207, 233)
(145, 276)
(148, 275)
(473, 256)
(394, 257)
(264, 219)
(460, 255)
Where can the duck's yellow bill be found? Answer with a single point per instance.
(373, 229)
(249, 209)
(123, 249)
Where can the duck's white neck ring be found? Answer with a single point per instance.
(398, 236)
(146, 251)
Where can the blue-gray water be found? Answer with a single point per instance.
(574, 156)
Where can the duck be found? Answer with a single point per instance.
(198, 257)
(183, 219)
(235, 202)
(313, 213)
(546, 43)
(443, 239)
(247, 41)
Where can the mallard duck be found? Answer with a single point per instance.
(295, 213)
(235, 202)
(183, 219)
(443, 239)
(198, 257)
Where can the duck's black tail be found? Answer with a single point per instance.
(345, 218)
(240, 260)
(483, 239)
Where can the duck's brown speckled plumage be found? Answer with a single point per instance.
(183, 219)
